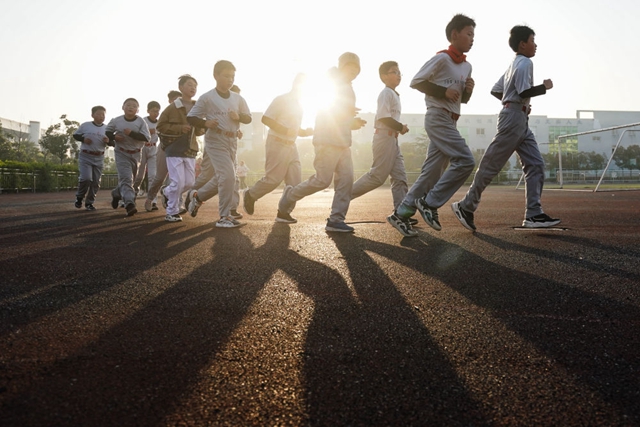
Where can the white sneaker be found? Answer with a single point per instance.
(148, 205)
(227, 222)
(194, 203)
(173, 218)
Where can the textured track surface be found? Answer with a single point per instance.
(114, 321)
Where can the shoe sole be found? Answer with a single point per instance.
(285, 221)
(400, 230)
(426, 219)
(337, 230)
(455, 207)
(540, 224)
(244, 204)
(115, 202)
(132, 212)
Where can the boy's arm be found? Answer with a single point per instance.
(244, 113)
(392, 123)
(534, 91)
(277, 127)
(430, 89)
(110, 132)
(498, 89)
(166, 126)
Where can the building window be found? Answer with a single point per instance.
(479, 131)
(596, 138)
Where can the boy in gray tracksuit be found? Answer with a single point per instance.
(283, 117)
(515, 89)
(91, 157)
(387, 158)
(332, 145)
(446, 81)
(129, 132)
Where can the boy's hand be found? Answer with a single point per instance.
(88, 141)
(305, 132)
(469, 85)
(211, 124)
(186, 128)
(292, 133)
(404, 130)
(358, 123)
(548, 84)
(152, 131)
(105, 140)
(234, 116)
(119, 137)
(127, 131)
(240, 134)
(452, 94)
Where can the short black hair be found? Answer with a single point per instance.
(173, 94)
(98, 108)
(221, 66)
(153, 104)
(185, 78)
(385, 67)
(519, 33)
(131, 99)
(458, 23)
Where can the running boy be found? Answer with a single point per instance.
(332, 145)
(223, 111)
(180, 153)
(129, 132)
(283, 117)
(515, 89)
(91, 157)
(446, 82)
(148, 157)
(387, 158)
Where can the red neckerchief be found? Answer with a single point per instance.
(456, 56)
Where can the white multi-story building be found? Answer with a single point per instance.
(29, 131)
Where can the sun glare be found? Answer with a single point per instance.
(317, 94)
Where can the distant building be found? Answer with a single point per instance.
(30, 131)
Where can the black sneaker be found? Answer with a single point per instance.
(131, 209)
(338, 227)
(165, 199)
(465, 217)
(154, 207)
(248, 202)
(413, 221)
(235, 214)
(115, 200)
(429, 214)
(402, 225)
(78, 203)
(285, 218)
(540, 221)
(90, 207)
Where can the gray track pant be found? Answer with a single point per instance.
(387, 161)
(282, 163)
(513, 135)
(438, 182)
(331, 163)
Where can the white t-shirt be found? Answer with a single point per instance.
(94, 133)
(388, 106)
(211, 106)
(517, 79)
(286, 110)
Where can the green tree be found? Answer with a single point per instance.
(58, 140)
(6, 148)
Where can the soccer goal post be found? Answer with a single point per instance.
(561, 138)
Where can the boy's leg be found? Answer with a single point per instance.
(512, 128)
(96, 171)
(342, 185)
(152, 166)
(142, 169)
(172, 191)
(127, 170)
(443, 133)
(84, 178)
(161, 175)
(325, 161)
(293, 176)
(384, 159)
(224, 181)
(399, 186)
(206, 172)
(277, 158)
(432, 169)
(533, 167)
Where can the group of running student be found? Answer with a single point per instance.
(445, 80)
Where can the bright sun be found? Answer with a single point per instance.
(317, 94)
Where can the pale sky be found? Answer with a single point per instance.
(65, 56)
